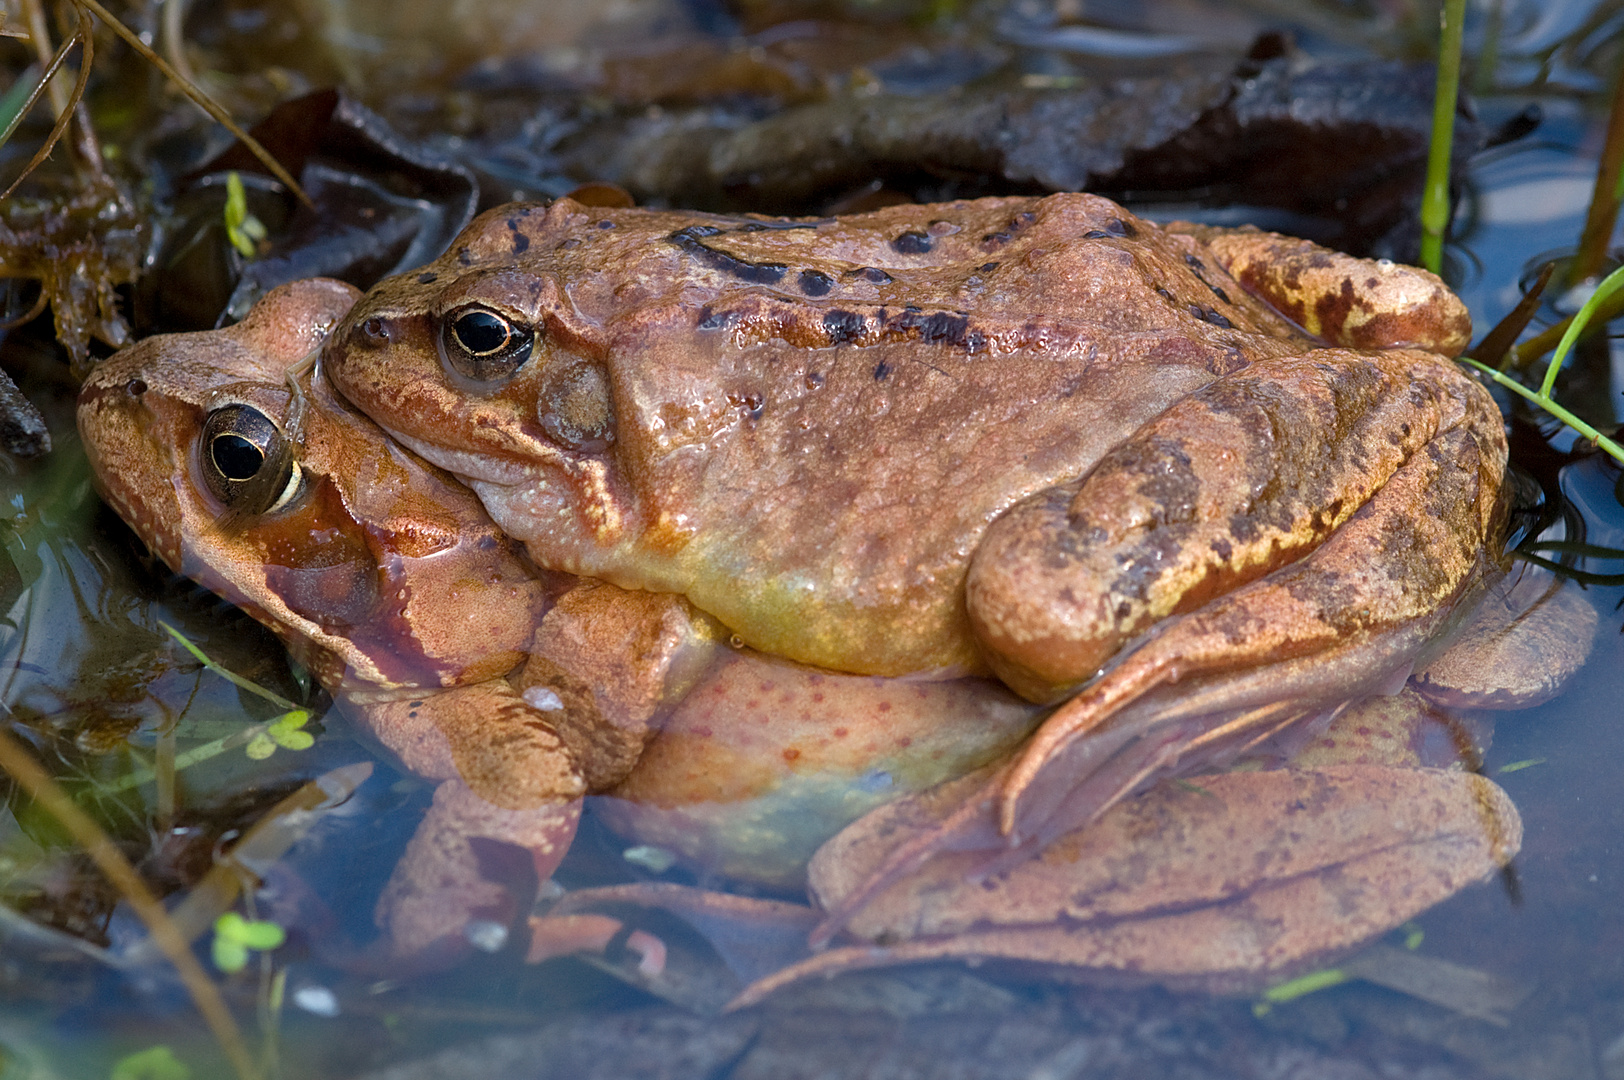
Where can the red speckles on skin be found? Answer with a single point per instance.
(905, 741)
(791, 754)
(703, 732)
(817, 698)
(1364, 732)
(840, 733)
(885, 706)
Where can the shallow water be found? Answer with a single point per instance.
(90, 670)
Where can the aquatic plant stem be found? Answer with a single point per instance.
(1603, 215)
(1547, 339)
(1551, 407)
(1611, 289)
(1435, 195)
(33, 779)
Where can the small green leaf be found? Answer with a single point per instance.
(243, 229)
(260, 747)
(1519, 766)
(153, 1063)
(1314, 981)
(1413, 936)
(229, 956)
(234, 936)
(263, 936)
(285, 730)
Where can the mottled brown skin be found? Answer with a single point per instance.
(1016, 434)
(382, 574)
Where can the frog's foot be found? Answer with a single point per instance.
(1518, 648)
(1226, 883)
(453, 872)
(485, 734)
(1343, 300)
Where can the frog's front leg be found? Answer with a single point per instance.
(447, 877)
(1290, 538)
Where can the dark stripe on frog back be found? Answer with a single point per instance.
(816, 326)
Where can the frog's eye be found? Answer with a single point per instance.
(482, 345)
(247, 461)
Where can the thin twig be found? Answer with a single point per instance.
(65, 116)
(205, 995)
(39, 34)
(199, 98)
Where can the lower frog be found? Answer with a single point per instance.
(383, 576)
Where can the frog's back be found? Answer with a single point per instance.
(815, 419)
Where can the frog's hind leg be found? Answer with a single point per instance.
(1347, 620)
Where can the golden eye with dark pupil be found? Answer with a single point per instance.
(247, 462)
(479, 344)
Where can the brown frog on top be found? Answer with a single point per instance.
(1035, 437)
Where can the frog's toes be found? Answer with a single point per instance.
(1357, 303)
(1529, 634)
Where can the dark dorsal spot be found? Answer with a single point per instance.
(988, 267)
(1209, 315)
(520, 241)
(813, 380)
(1007, 233)
(881, 370)
(1164, 294)
(568, 244)
(606, 224)
(710, 319)
(1199, 268)
(754, 273)
(912, 242)
(427, 278)
(937, 328)
(465, 257)
(843, 326)
(872, 274)
(816, 282)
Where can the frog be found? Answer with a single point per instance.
(389, 582)
(595, 614)
(1188, 486)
